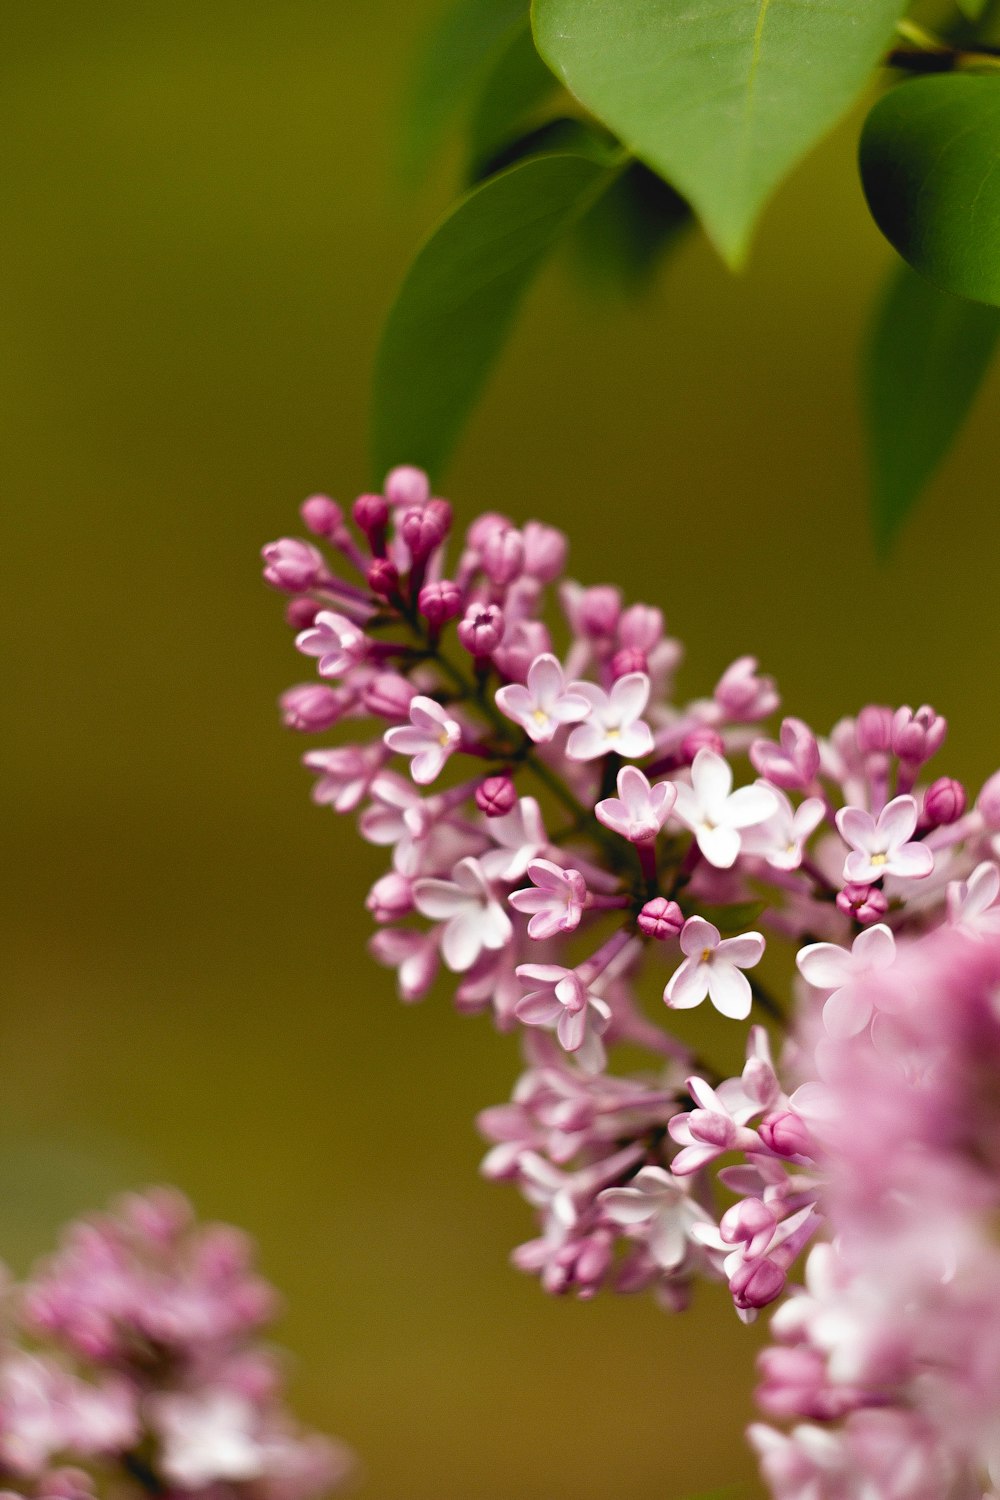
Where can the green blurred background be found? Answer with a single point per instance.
(202, 231)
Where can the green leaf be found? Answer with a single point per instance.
(621, 240)
(720, 99)
(458, 300)
(930, 150)
(926, 357)
(457, 55)
(518, 83)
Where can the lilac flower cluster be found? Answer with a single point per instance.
(131, 1362)
(571, 841)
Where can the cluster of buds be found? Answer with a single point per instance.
(567, 839)
(132, 1364)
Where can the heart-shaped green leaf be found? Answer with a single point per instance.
(455, 307)
(721, 100)
(930, 164)
(926, 357)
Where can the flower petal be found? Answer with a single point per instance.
(729, 990)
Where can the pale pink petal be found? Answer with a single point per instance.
(663, 796)
(569, 709)
(496, 929)
(743, 951)
(824, 965)
(981, 890)
(720, 846)
(529, 900)
(712, 777)
(427, 766)
(686, 807)
(590, 1055)
(437, 899)
(629, 696)
(847, 1011)
(858, 868)
(912, 861)
(538, 1009)
(749, 805)
(405, 740)
(586, 742)
(856, 826)
(688, 986)
(897, 820)
(667, 1241)
(634, 741)
(729, 990)
(571, 1029)
(515, 701)
(461, 943)
(545, 679)
(628, 1205)
(875, 948)
(697, 935)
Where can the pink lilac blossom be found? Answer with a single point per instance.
(132, 1363)
(595, 839)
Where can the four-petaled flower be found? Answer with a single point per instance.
(556, 899)
(714, 967)
(640, 810)
(716, 814)
(336, 640)
(562, 1003)
(779, 840)
(972, 903)
(520, 839)
(614, 723)
(709, 1130)
(430, 737)
(661, 1204)
(827, 967)
(884, 846)
(474, 918)
(545, 704)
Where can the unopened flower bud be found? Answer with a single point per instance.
(291, 565)
(407, 486)
(389, 696)
(311, 707)
(873, 729)
(660, 919)
(425, 527)
(545, 551)
(495, 796)
(641, 626)
(390, 898)
(483, 528)
(628, 659)
(785, 1133)
(439, 602)
(944, 802)
(702, 738)
(917, 736)
(383, 578)
(600, 608)
(301, 613)
(756, 1283)
(481, 631)
(322, 515)
(743, 694)
(503, 556)
(791, 764)
(751, 1223)
(988, 803)
(865, 903)
(371, 515)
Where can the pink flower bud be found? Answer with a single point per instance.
(311, 707)
(545, 551)
(301, 613)
(793, 763)
(865, 903)
(483, 528)
(481, 631)
(524, 641)
(383, 578)
(503, 555)
(291, 565)
(371, 515)
(407, 486)
(322, 515)
(702, 738)
(496, 796)
(743, 694)
(751, 1223)
(641, 626)
(600, 608)
(390, 898)
(425, 528)
(660, 919)
(439, 602)
(785, 1133)
(389, 696)
(756, 1283)
(917, 736)
(873, 729)
(944, 803)
(988, 803)
(629, 659)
